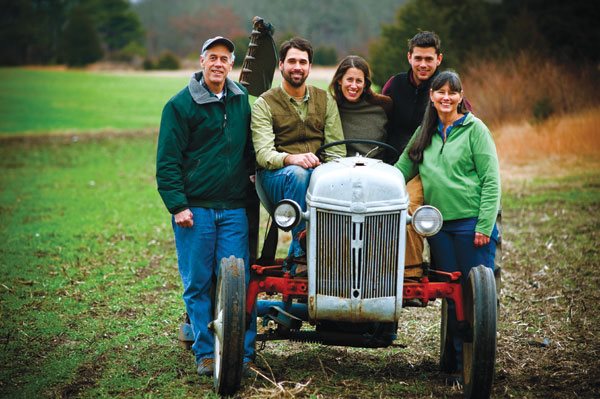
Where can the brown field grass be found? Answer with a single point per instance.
(559, 146)
(526, 88)
(544, 116)
(560, 138)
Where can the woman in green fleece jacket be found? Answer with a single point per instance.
(454, 153)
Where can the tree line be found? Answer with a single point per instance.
(335, 27)
(78, 32)
(75, 32)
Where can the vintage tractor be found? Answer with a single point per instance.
(355, 287)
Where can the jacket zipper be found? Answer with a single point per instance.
(226, 135)
(443, 142)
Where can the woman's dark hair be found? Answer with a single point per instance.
(430, 119)
(351, 61)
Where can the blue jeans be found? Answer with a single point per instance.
(216, 234)
(452, 250)
(289, 182)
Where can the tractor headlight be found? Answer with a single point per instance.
(427, 220)
(287, 214)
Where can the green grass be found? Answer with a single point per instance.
(47, 101)
(90, 297)
(89, 280)
(42, 101)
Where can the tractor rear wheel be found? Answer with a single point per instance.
(479, 347)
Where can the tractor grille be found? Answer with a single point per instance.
(357, 259)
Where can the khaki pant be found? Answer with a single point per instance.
(414, 242)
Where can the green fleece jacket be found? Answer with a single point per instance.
(461, 176)
(204, 148)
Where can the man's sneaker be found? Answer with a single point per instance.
(249, 369)
(206, 367)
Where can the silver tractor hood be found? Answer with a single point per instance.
(357, 185)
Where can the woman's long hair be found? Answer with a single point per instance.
(430, 119)
(351, 61)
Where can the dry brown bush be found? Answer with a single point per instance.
(564, 136)
(528, 88)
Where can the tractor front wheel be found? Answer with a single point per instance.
(229, 325)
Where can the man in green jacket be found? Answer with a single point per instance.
(203, 157)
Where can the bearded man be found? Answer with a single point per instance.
(289, 123)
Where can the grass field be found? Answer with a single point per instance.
(90, 297)
(46, 101)
(53, 101)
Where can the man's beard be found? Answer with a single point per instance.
(288, 78)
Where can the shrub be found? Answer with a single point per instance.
(148, 64)
(325, 55)
(167, 60)
(542, 109)
(129, 52)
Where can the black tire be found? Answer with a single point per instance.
(479, 347)
(447, 352)
(229, 326)
(498, 258)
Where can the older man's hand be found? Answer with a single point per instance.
(184, 218)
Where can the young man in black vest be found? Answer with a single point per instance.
(410, 90)
(410, 94)
(289, 124)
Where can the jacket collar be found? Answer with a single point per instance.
(201, 95)
(290, 98)
(468, 118)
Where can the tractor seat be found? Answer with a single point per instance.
(262, 196)
(269, 248)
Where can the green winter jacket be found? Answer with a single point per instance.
(460, 177)
(204, 148)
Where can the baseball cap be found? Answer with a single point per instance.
(218, 40)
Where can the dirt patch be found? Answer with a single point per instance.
(154, 266)
(517, 174)
(85, 378)
(67, 137)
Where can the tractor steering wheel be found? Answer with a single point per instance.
(321, 149)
